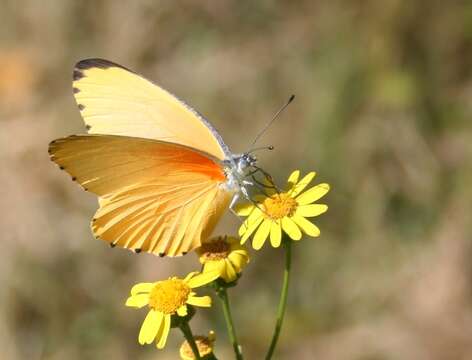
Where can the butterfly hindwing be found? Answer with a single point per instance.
(154, 196)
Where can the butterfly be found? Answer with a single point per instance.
(162, 173)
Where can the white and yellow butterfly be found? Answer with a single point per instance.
(162, 173)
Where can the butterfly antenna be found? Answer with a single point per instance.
(270, 147)
(271, 121)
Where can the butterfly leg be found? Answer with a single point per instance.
(246, 195)
(236, 198)
(233, 202)
(267, 176)
(243, 187)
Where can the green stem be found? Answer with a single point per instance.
(222, 293)
(211, 357)
(190, 339)
(283, 299)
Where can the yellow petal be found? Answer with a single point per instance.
(302, 184)
(244, 209)
(214, 265)
(261, 234)
(275, 234)
(313, 194)
(291, 229)
(182, 311)
(138, 301)
(254, 214)
(311, 210)
(150, 327)
(203, 301)
(293, 179)
(203, 278)
(230, 273)
(190, 275)
(239, 261)
(241, 251)
(251, 224)
(307, 227)
(269, 189)
(161, 338)
(142, 288)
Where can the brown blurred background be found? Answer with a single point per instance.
(383, 113)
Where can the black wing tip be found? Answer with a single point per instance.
(97, 63)
(77, 75)
(93, 63)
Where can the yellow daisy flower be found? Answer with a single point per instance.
(205, 345)
(165, 299)
(285, 211)
(224, 255)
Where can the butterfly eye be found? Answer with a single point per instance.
(250, 159)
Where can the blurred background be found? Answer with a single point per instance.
(383, 113)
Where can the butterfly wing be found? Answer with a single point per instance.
(154, 196)
(114, 100)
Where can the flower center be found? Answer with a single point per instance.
(168, 295)
(279, 206)
(215, 250)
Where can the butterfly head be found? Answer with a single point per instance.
(245, 161)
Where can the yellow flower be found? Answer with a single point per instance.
(165, 299)
(285, 211)
(224, 255)
(205, 345)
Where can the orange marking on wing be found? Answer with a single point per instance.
(205, 166)
(194, 162)
(154, 197)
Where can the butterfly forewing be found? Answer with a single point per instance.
(115, 100)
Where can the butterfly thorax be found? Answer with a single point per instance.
(237, 168)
